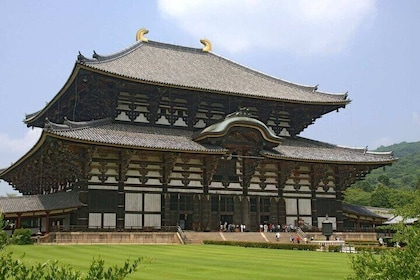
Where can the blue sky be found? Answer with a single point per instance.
(366, 47)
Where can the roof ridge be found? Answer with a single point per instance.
(97, 58)
(73, 125)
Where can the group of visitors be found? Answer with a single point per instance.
(298, 239)
(266, 227)
(232, 227)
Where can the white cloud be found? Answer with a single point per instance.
(299, 26)
(12, 149)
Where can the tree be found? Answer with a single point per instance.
(396, 263)
(4, 239)
(383, 179)
(380, 197)
(357, 196)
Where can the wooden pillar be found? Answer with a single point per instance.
(18, 220)
(343, 173)
(282, 211)
(47, 222)
(245, 207)
(167, 218)
(82, 186)
(123, 167)
(205, 212)
(339, 211)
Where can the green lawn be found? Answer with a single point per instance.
(197, 261)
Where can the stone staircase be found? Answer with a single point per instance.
(193, 237)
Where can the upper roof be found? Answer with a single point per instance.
(199, 69)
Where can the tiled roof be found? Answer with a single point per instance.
(34, 203)
(309, 150)
(399, 219)
(136, 136)
(193, 68)
(360, 211)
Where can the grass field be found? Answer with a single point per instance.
(196, 261)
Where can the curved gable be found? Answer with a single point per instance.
(239, 128)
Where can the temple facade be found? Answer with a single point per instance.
(161, 135)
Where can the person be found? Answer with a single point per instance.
(277, 236)
(292, 239)
(298, 239)
(381, 241)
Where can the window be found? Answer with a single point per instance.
(265, 205)
(182, 202)
(222, 204)
(226, 171)
(253, 204)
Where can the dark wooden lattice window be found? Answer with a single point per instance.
(181, 202)
(222, 204)
(326, 206)
(265, 205)
(226, 204)
(253, 204)
(226, 171)
(215, 203)
(100, 200)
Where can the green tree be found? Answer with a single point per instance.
(4, 238)
(400, 197)
(380, 197)
(22, 236)
(357, 196)
(383, 179)
(395, 263)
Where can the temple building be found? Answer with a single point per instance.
(159, 135)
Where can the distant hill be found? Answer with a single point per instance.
(391, 186)
(405, 173)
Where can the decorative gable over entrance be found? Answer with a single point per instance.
(240, 133)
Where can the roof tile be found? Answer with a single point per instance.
(192, 68)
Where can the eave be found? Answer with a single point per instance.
(336, 104)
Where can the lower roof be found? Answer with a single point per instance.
(40, 202)
(162, 138)
(105, 132)
(361, 211)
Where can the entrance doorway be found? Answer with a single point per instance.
(225, 222)
(185, 221)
